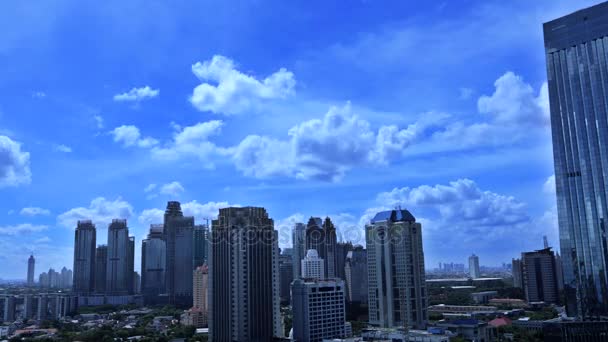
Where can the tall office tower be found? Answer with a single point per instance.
(31, 265)
(298, 241)
(201, 238)
(559, 272)
(397, 293)
(131, 264)
(474, 266)
(576, 47)
(64, 278)
(285, 276)
(136, 283)
(517, 269)
(356, 275)
(200, 309)
(153, 254)
(43, 280)
(84, 258)
(242, 275)
(118, 276)
(312, 266)
(53, 278)
(342, 249)
(101, 266)
(179, 237)
(539, 276)
(318, 309)
(321, 235)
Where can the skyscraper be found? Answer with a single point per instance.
(474, 266)
(576, 47)
(313, 267)
(285, 276)
(517, 269)
(179, 237)
(153, 255)
(242, 272)
(356, 275)
(119, 277)
(298, 240)
(201, 238)
(342, 249)
(84, 257)
(31, 265)
(397, 294)
(321, 235)
(101, 266)
(539, 276)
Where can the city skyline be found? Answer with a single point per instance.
(99, 143)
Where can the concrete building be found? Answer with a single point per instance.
(321, 236)
(31, 265)
(101, 267)
(285, 276)
(313, 267)
(65, 278)
(84, 257)
(356, 275)
(40, 306)
(318, 309)
(298, 240)
(201, 248)
(153, 268)
(342, 249)
(395, 262)
(469, 329)
(516, 268)
(243, 271)
(118, 274)
(483, 297)
(539, 276)
(198, 315)
(474, 267)
(179, 237)
(575, 47)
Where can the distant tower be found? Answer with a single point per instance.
(321, 235)
(31, 264)
(101, 266)
(540, 276)
(396, 277)
(356, 275)
(153, 267)
(474, 266)
(313, 267)
(179, 236)
(545, 242)
(118, 276)
(84, 258)
(298, 240)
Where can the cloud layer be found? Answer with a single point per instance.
(14, 163)
(137, 94)
(101, 211)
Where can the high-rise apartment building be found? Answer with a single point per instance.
(356, 275)
(119, 277)
(101, 266)
(577, 67)
(179, 237)
(243, 271)
(518, 278)
(201, 248)
(285, 276)
(198, 314)
(397, 294)
(31, 265)
(318, 309)
(539, 276)
(298, 240)
(321, 236)
(153, 268)
(342, 249)
(313, 267)
(84, 257)
(474, 267)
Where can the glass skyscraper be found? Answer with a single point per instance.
(576, 49)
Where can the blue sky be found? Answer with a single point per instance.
(340, 108)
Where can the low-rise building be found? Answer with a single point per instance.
(469, 329)
(483, 297)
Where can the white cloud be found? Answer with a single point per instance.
(228, 91)
(514, 101)
(34, 211)
(327, 148)
(42, 240)
(549, 186)
(98, 121)
(129, 135)
(14, 163)
(25, 228)
(101, 211)
(62, 148)
(200, 211)
(150, 188)
(466, 93)
(137, 94)
(172, 189)
(151, 216)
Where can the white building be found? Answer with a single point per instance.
(318, 309)
(312, 265)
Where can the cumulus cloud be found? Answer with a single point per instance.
(24, 228)
(327, 148)
(62, 148)
(34, 211)
(14, 163)
(99, 122)
(200, 211)
(129, 135)
(137, 94)
(549, 186)
(192, 141)
(151, 216)
(172, 189)
(101, 211)
(225, 90)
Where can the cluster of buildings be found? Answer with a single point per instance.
(539, 274)
(50, 279)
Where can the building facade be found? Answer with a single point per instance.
(356, 275)
(201, 248)
(298, 240)
(243, 269)
(318, 310)
(575, 47)
(118, 273)
(84, 257)
(397, 295)
(313, 267)
(31, 265)
(153, 268)
(285, 276)
(321, 236)
(474, 267)
(179, 236)
(101, 266)
(516, 269)
(539, 276)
